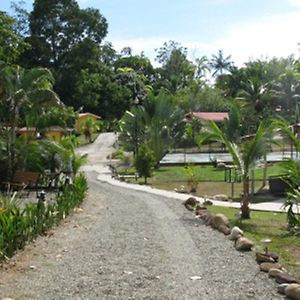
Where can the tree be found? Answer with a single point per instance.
(157, 122)
(22, 88)
(292, 201)
(89, 127)
(12, 45)
(244, 154)
(176, 71)
(220, 63)
(59, 25)
(144, 161)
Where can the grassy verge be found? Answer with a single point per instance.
(211, 180)
(270, 225)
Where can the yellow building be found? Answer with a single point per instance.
(54, 133)
(28, 133)
(82, 117)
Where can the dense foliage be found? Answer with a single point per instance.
(18, 226)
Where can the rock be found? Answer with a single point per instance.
(195, 277)
(243, 244)
(266, 266)
(274, 272)
(207, 202)
(263, 257)
(224, 229)
(285, 278)
(274, 256)
(221, 197)
(200, 209)
(218, 220)
(221, 165)
(190, 203)
(235, 233)
(293, 291)
(281, 288)
(209, 218)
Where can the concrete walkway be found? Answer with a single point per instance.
(105, 176)
(103, 146)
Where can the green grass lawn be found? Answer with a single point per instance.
(211, 180)
(270, 225)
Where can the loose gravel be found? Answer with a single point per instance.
(126, 244)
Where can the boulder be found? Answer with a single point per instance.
(207, 202)
(293, 291)
(266, 266)
(221, 197)
(190, 203)
(209, 218)
(282, 287)
(285, 278)
(221, 165)
(235, 233)
(200, 210)
(263, 257)
(243, 244)
(274, 272)
(224, 229)
(218, 220)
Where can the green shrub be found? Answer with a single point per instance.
(18, 227)
(145, 161)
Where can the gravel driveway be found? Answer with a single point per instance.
(125, 244)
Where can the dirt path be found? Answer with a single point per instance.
(126, 244)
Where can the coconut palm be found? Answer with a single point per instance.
(220, 63)
(244, 154)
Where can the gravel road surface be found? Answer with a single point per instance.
(125, 244)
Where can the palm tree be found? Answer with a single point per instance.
(288, 90)
(220, 63)
(157, 123)
(244, 154)
(89, 127)
(20, 90)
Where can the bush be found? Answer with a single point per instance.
(18, 227)
(144, 161)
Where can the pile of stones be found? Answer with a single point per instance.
(268, 262)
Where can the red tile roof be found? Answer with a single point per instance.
(208, 116)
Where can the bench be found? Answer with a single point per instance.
(22, 180)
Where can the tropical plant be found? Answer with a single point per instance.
(244, 155)
(220, 63)
(22, 88)
(89, 127)
(144, 161)
(292, 168)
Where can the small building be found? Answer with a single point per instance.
(82, 117)
(28, 133)
(207, 116)
(54, 133)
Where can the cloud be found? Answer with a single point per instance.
(271, 36)
(264, 38)
(294, 2)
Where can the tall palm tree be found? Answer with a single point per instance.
(220, 63)
(244, 154)
(21, 89)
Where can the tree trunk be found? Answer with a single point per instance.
(245, 201)
(265, 171)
